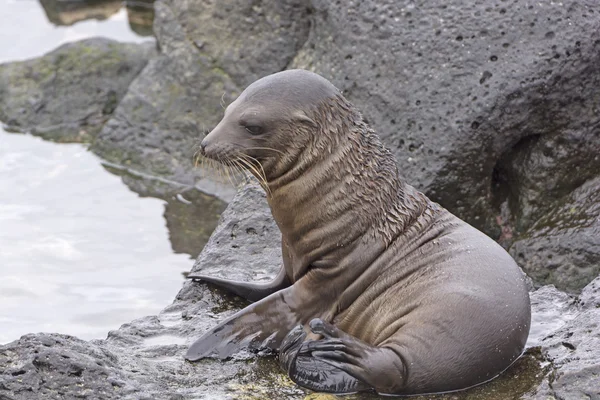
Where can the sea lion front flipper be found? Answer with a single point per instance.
(311, 372)
(251, 291)
(261, 325)
(339, 363)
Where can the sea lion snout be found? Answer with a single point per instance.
(220, 143)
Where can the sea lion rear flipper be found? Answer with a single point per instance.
(261, 325)
(339, 363)
(251, 291)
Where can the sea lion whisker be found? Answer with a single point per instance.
(256, 162)
(255, 171)
(222, 102)
(248, 166)
(240, 170)
(258, 174)
(236, 172)
(227, 172)
(233, 172)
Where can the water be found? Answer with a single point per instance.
(80, 253)
(26, 30)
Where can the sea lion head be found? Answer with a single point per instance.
(316, 158)
(271, 122)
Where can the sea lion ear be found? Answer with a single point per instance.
(301, 116)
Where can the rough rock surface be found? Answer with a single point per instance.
(68, 94)
(574, 348)
(144, 359)
(476, 100)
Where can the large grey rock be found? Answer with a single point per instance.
(563, 247)
(210, 50)
(68, 94)
(144, 359)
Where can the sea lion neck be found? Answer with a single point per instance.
(344, 184)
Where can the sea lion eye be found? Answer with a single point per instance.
(254, 130)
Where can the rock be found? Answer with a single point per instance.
(140, 13)
(246, 229)
(68, 94)
(574, 350)
(563, 247)
(498, 125)
(210, 50)
(543, 171)
(53, 365)
(144, 359)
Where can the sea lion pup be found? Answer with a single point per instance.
(397, 294)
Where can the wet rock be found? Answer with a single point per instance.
(574, 350)
(540, 171)
(68, 94)
(53, 365)
(140, 13)
(248, 225)
(563, 247)
(210, 50)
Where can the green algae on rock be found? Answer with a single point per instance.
(68, 94)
